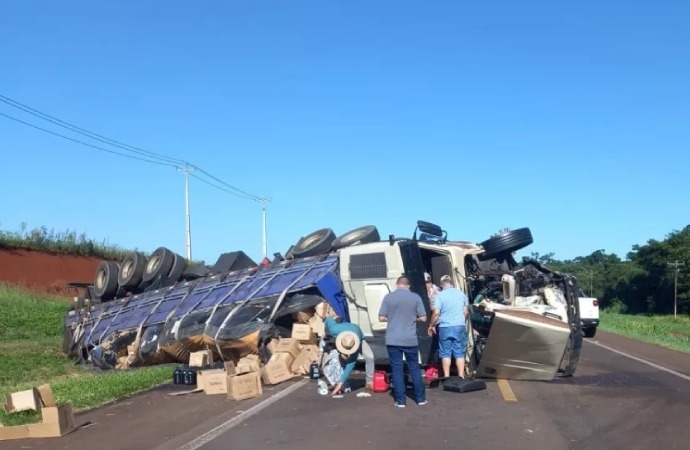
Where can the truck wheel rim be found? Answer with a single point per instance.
(153, 264)
(100, 279)
(127, 268)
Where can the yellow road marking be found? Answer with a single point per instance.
(506, 391)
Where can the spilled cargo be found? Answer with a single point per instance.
(232, 314)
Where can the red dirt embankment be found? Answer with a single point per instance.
(44, 272)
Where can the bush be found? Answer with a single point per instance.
(616, 307)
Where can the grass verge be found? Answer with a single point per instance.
(661, 330)
(60, 242)
(31, 354)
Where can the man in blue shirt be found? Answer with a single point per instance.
(334, 328)
(450, 313)
(403, 309)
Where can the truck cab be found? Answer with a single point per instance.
(369, 271)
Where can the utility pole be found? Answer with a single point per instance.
(264, 236)
(188, 219)
(676, 266)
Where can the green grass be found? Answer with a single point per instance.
(661, 330)
(31, 355)
(61, 242)
(65, 243)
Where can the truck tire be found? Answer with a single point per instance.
(176, 270)
(105, 281)
(507, 242)
(361, 235)
(132, 270)
(289, 254)
(315, 243)
(160, 263)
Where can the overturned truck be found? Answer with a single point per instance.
(524, 318)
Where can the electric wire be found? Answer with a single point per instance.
(85, 132)
(145, 155)
(86, 143)
(220, 188)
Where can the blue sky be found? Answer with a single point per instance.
(572, 120)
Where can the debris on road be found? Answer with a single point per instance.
(57, 420)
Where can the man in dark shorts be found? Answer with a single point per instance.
(450, 313)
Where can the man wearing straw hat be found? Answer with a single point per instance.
(349, 341)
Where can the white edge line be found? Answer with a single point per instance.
(643, 361)
(225, 426)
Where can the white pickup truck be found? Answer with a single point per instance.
(589, 314)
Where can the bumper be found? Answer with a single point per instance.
(587, 323)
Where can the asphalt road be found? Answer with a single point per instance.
(625, 395)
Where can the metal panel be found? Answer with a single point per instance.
(201, 289)
(219, 292)
(164, 307)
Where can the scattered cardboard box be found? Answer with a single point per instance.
(278, 368)
(324, 310)
(219, 381)
(215, 381)
(307, 356)
(243, 386)
(271, 346)
(303, 316)
(248, 364)
(200, 359)
(289, 345)
(56, 420)
(317, 326)
(304, 333)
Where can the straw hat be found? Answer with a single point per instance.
(347, 342)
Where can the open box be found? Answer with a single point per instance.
(56, 420)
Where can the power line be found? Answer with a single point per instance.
(220, 188)
(146, 156)
(85, 132)
(164, 160)
(676, 265)
(86, 143)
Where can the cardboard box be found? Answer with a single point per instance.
(308, 355)
(214, 381)
(272, 345)
(285, 359)
(244, 365)
(200, 359)
(303, 333)
(244, 386)
(324, 310)
(304, 316)
(289, 345)
(317, 326)
(276, 372)
(31, 399)
(56, 420)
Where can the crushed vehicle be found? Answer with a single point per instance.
(524, 318)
